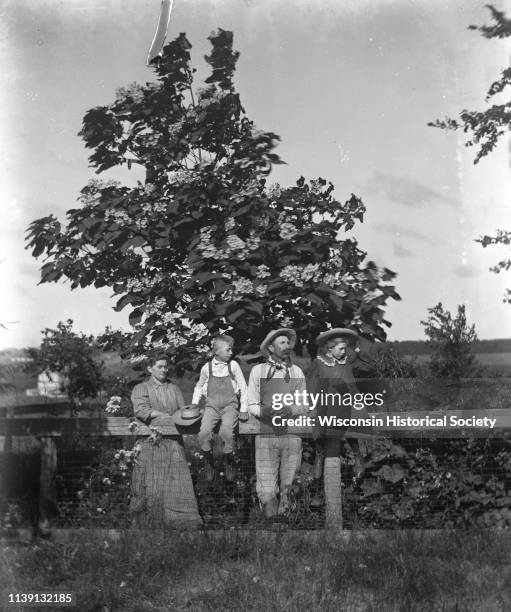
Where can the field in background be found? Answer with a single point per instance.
(493, 364)
(500, 362)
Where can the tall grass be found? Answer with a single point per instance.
(270, 571)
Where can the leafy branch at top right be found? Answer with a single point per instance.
(485, 128)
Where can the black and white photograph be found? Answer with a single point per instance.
(255, 326)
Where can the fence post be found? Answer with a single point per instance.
(333, 496)
(47, 488)
(7, 413)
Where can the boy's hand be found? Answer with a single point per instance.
(243, 417)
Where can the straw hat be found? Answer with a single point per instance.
(336, 332)
(270, 337)
(188, 415)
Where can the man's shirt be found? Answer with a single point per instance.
(221, 369)
(261, 371)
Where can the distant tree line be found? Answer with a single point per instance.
(421, 347)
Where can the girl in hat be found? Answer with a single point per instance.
(331, 372)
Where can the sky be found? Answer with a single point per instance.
(349, 85)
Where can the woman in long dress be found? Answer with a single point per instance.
(162, 487)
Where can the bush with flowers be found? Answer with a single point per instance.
(102, 493)
(115, 394)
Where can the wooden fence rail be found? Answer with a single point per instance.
(58, 426)
(48, 428)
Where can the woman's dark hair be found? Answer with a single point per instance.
(152, 359)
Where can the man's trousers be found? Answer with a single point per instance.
(277, 460)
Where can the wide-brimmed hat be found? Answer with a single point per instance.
(336, 332)
(270, 337)
(188, 415)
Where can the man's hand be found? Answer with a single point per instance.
(159, 413)
(243, 417)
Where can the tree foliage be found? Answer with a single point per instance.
(442, 483)
(387, 363)
(63, 350)
(487, 127)
(451, 340)
(206, 244)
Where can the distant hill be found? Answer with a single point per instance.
(419, 347)
(403, 347)
(13, 355)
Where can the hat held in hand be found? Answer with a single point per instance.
(188, 415)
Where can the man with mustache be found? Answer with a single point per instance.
(278, 453)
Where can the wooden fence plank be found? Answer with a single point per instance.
(107, 426)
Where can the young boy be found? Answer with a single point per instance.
(222, 382)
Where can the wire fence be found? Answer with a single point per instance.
(383, 483)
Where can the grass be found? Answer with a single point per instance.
(451, 571)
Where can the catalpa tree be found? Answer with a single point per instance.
(205, 244)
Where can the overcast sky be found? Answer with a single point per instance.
(349, 85)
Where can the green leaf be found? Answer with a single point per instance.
(391, 474)
(256, 307)
(234, 316)
(135, 316)
(371, 487)
(315, 299)
(125, 301)
(336, 301)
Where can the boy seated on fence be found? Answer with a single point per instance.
(222, 383)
